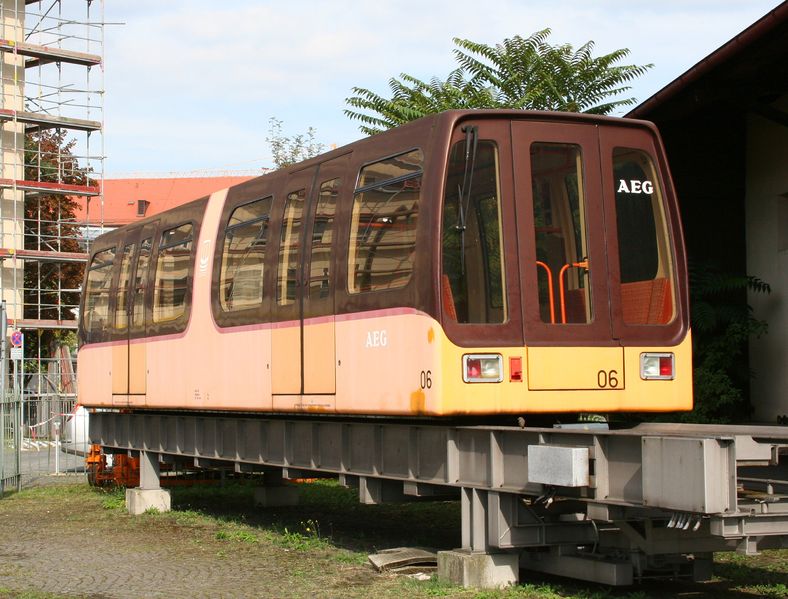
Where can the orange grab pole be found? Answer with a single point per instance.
(550, 293)
(564, 268)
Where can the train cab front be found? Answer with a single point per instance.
(562, 275)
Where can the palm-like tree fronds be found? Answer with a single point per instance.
(522, 73)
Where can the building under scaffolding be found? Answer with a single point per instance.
(51, 160)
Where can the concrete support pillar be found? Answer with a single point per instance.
(149, 495)
(474, 565)
(275, 492)
(479, 570)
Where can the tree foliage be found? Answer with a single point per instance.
(722, 325)
(522, 73)
(289, 150)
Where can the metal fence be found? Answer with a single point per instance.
(42, 433)
(10, 443)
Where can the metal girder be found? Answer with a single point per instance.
(674, 475)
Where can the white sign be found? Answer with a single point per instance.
(17, 353)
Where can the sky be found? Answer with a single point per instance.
(190, 86)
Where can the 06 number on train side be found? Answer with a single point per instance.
(607, 379)
(426, 379)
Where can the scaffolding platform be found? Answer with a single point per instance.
(49, 187)
(36, 121)
(43, 255)
(32, 323)
(39, 55)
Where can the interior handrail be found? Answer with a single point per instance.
(550, 293)
(561, 292)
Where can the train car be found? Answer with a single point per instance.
(471, 263)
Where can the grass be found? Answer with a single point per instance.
(765, 575)
(9, 594)
(320, 547)
(329, 518)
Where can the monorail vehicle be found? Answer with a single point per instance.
(468, 263)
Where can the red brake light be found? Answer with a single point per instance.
(473, 368)
(666, 366)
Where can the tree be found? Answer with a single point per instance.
(522, 73)
(289, 150)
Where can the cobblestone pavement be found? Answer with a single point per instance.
(70, 544)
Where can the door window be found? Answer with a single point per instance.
(121, 307)
(322, 239)
(560, 228)
(643, 251)
(472, 284)
(290, 245)
(140, 282)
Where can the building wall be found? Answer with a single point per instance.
(12, 141)
(767, 258)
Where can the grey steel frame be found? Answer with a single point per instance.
(604, 505)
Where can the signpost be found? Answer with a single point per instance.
(17, 345)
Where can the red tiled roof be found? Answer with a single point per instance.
(122, 195)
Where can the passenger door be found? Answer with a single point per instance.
(129, 363)
(643, 291)
(317, 292)
(120, 320)
(563, 262)
(287, 309)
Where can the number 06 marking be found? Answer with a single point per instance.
(426, 379)
(607, 379)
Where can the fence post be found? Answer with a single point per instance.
(3, 373)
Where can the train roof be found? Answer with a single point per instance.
(444, 121)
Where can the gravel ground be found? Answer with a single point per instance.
(67, 540)
(70, 543)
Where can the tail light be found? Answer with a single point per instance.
(482, 368)
(657, 367)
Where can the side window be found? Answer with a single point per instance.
(97, 293)
(172, 274)
(289, 246)
(561, 233)
(121, 305)
(643, 245)
(472, 283)
(322, 239)
(243, 257)
(140, 283)
(383, 227)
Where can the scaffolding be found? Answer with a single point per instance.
(51, 164)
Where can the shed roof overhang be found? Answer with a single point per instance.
(747, 74)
